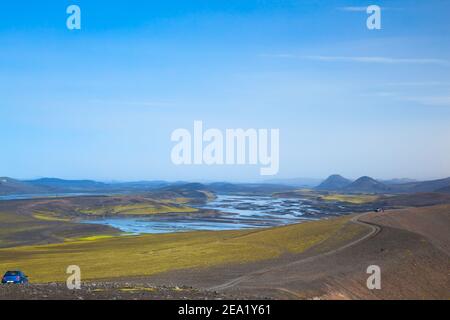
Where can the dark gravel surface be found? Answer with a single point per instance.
(105, 291)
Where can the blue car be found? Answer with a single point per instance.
(15, 277)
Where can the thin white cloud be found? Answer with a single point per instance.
(380, 60)
(361, 59)
(419, 84)
(353, 9)
(385, 94)
(364, 9)
(131, 103)
(278, 55)
(439, 101)
(435, 100)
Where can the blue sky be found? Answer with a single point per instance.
(101, 102)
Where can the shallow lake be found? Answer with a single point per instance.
(235, 212)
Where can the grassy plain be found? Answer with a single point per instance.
(111, 257)
(138, 209)
(325, 196)
(350, 198)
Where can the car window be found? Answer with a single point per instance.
(12, 273)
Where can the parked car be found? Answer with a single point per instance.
(15, 277)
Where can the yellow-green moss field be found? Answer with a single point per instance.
(109, 257)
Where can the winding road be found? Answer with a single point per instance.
(374, 230)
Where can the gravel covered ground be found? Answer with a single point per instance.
(105, 291)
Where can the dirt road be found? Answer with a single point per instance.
(373, 230)
(411, 246)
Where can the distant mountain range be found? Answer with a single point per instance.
(53, 185)
(58, 184)
(296, 182)
(43, 186)
(336, 183)
(369, 185)
(12, 186)
(398, 181)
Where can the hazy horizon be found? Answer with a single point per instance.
(310, 180)
(101, 103)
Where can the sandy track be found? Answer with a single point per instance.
(374, 229)
(410, 256)
(413, 264)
